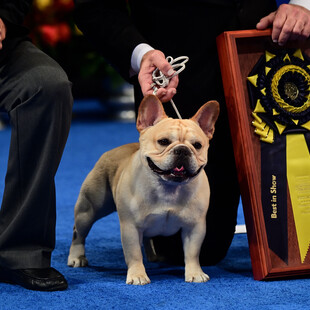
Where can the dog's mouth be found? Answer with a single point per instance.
(176, 174)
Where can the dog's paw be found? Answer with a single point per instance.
(80, 261)
(197, 277)
(138, 279)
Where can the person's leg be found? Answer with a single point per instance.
(225, 194)
(199, 82)
(36, 93)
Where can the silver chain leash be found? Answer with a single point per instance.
(159, 79)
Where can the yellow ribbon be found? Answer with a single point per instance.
(262, 129)
(298, 177)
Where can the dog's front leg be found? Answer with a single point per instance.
(131, 241)
(192, 240)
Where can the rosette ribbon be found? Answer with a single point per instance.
(279, 89)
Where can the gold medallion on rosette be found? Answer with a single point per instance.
(279, 89)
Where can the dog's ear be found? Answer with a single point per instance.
(151, 111)
(206, 117)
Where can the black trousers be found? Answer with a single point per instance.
(36, 94)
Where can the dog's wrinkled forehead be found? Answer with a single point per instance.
(176, 130)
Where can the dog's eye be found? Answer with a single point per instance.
(164, 142)
(197, 145)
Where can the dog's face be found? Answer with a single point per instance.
(175, 150)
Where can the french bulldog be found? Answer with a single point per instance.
(158, 186)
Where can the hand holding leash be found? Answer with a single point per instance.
(159, 79)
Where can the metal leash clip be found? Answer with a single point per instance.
(159, 79)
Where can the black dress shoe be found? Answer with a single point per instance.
(45, 279)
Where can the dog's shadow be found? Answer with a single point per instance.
(112, 263)
(109, 264)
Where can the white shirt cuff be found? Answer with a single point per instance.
(304, 3)
(137, 55)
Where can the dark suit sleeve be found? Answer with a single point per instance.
(107, 24)
(13, 13)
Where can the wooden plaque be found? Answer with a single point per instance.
(239, 52)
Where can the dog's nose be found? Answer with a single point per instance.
(182, 151)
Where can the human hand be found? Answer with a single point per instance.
(150, 61)
(289, 22)
(2, 32)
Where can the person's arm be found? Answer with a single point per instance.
(290, 22)
(13, 12)
(108, 26)
(304, 3)
(12, 15)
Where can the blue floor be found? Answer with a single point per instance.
(102, 284)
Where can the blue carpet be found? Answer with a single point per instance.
(102, 284)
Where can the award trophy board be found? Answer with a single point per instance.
(267, 91)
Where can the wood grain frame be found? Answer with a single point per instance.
(238, 52)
